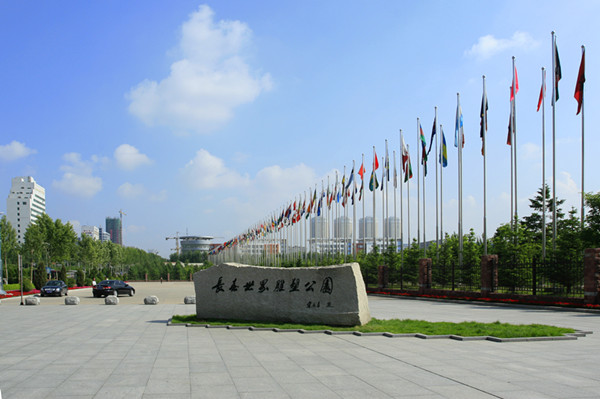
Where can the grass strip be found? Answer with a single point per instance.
(408, 326)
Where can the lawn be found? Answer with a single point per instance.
(407, 326)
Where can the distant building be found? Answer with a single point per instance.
(25, 204)
(104, 236)
(195, 243)
(319, 228)
(91, 231)
(113, 227)
(342, 227)
(366, 227)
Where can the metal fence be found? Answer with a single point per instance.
(456, 277)
(564, 279)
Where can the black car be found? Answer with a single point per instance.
(54, 287)
(112, 287)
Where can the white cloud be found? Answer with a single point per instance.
(159, 197)
(131, 191)
(78, 179)
(128, 157)
(14, 150)
(487, 46)
(208, 171)
(531, 151)
(207, 83)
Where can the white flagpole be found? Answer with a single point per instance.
(553, 141)
(460, 144)
(424, 163)
(484, 132)
(440, 160)
(374, 200)
(395, 216)
(437, 219)
(354, 199)
(408, 199)
(582, 149)
(543, 163)
(345, 213)
(383, 229)
(514, 136)
(401, 202)
(387, 200)
(362, 197)
(418, 191)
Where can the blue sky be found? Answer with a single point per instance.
(205, 118)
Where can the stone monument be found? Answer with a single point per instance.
(332, 295)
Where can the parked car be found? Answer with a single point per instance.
(112, 287)
(54, 287)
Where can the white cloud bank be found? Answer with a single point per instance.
(207, 171)
(204, 86)
(129, 158)
(13, 151)
(487, 46)
(78, 179)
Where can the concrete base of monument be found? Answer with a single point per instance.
(332, 295)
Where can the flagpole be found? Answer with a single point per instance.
(383, 229)
(401, 204)
(440, 160)
(373, 176)
(408, 199)
(437, 219)
(362, 197)
(345, 215)
(582, 147)
(387, 199)
(395, 216)
(543, 163)
(418, 191)
(554, 83)
(460, 145)
(514, 131)
(424, 163)
(353, 212)
(484, 131)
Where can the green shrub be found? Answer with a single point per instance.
(80, 278)
(71, 282)
(27, 285)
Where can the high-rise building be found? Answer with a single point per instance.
(91, 231)
(113, 227)
(319, 228)
(104, 236)
(342, 227)
(25, 204)
(366, 227)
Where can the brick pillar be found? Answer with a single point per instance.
(146, 277)
(168, 276)
(591, 276)
(489, 274)
(383, 274)
(191, 278)
(424, 274)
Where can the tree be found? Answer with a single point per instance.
(63, 273)
(10, 246)
(40, 276)
(591, 231)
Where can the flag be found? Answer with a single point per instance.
(459, 126)
(362, 188)
(580, 80)
(351, 178)
(382, 174)
(387, 164)
(509, 138)
(483, 123)
(557, 72)
(375, 161)
(361, 171)
(542, 94)
(515, 84)
(373, 184)
(444, 152)
(395, 173)
(423, 150)
(433, 132)
(406, 166)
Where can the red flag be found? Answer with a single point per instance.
(376, 162)
(542, 94)
(361, 171)
(580, 81)
(516, 85)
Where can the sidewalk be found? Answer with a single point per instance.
(128, 351)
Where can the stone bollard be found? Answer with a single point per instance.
(151, 300)
(32, 300)
(111, 300)
(189, 300)
(72, 300)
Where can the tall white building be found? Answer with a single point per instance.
(25, 204)
(366, 227)
(92, 231)
(319, 228)
(342, 227)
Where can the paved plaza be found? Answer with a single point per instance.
(127, 351)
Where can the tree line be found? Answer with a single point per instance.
(55, 244)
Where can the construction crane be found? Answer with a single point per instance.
(176, 238)
(121, 213)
